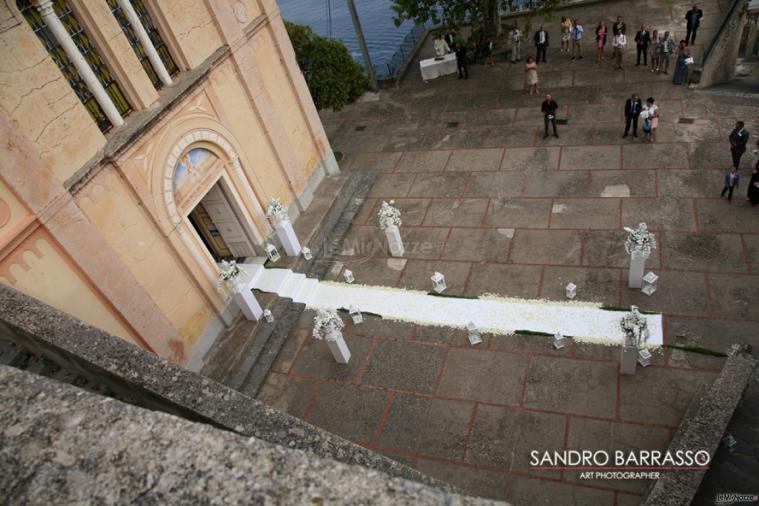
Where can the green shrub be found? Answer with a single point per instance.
(333, 77)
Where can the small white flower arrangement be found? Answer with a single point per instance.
(276, 211)
(229, 272)
(327, 325)
(389, 215)
(639, 240)
(635, 327)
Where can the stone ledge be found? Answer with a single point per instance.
(61, 444)
(702, 428)
(157, 384)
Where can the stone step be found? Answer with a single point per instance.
(286, 313)
(11, 354)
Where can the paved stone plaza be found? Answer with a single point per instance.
(497, 209)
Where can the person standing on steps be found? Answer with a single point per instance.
(667, 48)
(619, 27)
(738, 139)
(565, 27)
(633, 108)
(515, 40)
(541, 44)
(655, 51)
(549, 108)
(531, 75)
(731, 183)
(693, 20)
(461, 63)
(601, 33)
(620, 42)
(642, 40)
(576, 35)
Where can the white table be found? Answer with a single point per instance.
(432, 68)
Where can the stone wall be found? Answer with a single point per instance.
(154, 383)
(702, 428)
(62, 445)
(721, 55)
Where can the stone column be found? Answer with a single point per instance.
(394, 240)
(629, 359)
(147, 44)
(248, 303)
(48, 14)
(338, 347)
(637, 266)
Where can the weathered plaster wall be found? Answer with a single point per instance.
(38, 267)
(237, 114)
(110, 206)
(279, 87)
(719, 66)
(12, 214)
(193, 29)
(41, 104)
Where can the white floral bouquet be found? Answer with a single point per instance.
(229, 272)
(389, 215)
(639, 240)
(276, 211)
(635, 327)
(326, 323)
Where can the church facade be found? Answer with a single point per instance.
(141, 143)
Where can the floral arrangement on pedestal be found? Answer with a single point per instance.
(635, 327)
(327, 325)
(639, 241)
(276, 211)
(229, 274)
(389, 216)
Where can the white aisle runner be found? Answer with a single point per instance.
(499, 315)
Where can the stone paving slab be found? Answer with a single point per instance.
(343, 409)
(624, 183)
(534, 159)
(591, 391)
(712, 252)
(417, 273)
(677, 292)
(462, 213)
(483, 376)
(734, 296)
(604, 213)
(431, 427)
(510, 214)
(502, 437)
(596, 285)
(438, 185)
(667, 214)
(559, 247)
(423, 161)
(495, 184)
(469, 160)
(558, 184)
(477, 245)
(404, 366)
(508, 280)
(591, 157)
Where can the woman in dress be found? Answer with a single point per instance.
(681, 66)
(753, 186)
(653, 51)
(531, 75)
(601, 32)
(565, 27)
(650, 117)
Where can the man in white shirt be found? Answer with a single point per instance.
(515, 40)
(667, 48)
(620, 41)
(441, 47)
(541, 44)
(575, 34)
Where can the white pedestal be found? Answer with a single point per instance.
(287, 237)
(248, 303)
(393, 235)
(339, 349)
(637, 266)
(629, 359)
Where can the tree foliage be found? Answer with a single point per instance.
(333, 77)
(480, 14)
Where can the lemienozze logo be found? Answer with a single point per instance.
(619, 465)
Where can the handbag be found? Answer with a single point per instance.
(689, 60)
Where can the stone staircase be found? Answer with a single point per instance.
(246, 369)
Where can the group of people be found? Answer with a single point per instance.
(649, 45)
(465, 54)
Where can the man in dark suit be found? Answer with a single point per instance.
(738, 139)
(541, 44)
(633, 106)
(460, 50)
(693, 19)
(642, 40)
(549, 108)
(450, 38)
